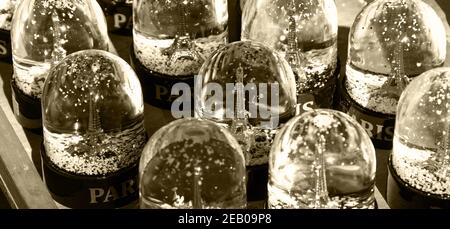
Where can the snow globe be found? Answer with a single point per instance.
(391, 42)
(43, 32)
(322, 159)
(192, 163)
(93, 119)
(249, 89)
(420, 162)
(171, 40)
(304, 32)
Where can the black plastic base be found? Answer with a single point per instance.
(119, 16)
(157, 87)
(27, 109)
(402, 195)
(115, 190)
(5, 46)
(319, 98)
(379, 126)
(257, 178)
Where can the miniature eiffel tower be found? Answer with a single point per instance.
(58, 52)
(197, 202)
(321, 199)
(292, 54)
(182, 47)
(94, 131)
(240, 126)
(92, 143)
(443, 154)
(397, 82)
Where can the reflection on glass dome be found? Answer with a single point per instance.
(322, 159)
(303, 31)
(175, 37)
(258, 89)
(390, 42)
(45, 31)
(93, 114)
(192, 163)
(421, 154)
(7, 8)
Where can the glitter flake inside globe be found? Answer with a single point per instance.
(390, 42)
(322, 159)
(192, 163)
(421, 153)
(93, 114)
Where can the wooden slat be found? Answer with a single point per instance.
(19, 179)
(381, 202)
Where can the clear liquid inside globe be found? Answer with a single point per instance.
(421, 151)
(392, 41)
(322, 159)
(302, 31)
(249, 89)
(93, 114)
(192, 163)
(45, 31)
(175, 37)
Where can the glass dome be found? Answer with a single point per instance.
(390, 42)
(45, 31)
(175, 37)
(192, 163)
(421, 153)
(322, 159)
(7, 8)
(93, 114)
(303, 31)
(250, 90)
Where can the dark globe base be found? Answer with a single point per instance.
(5, 46)
(257, 178)
(379, 126)
(118, 16)
(157, 87)
(400, 195)
(116, 190)
(322, 97)
(27, 109)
